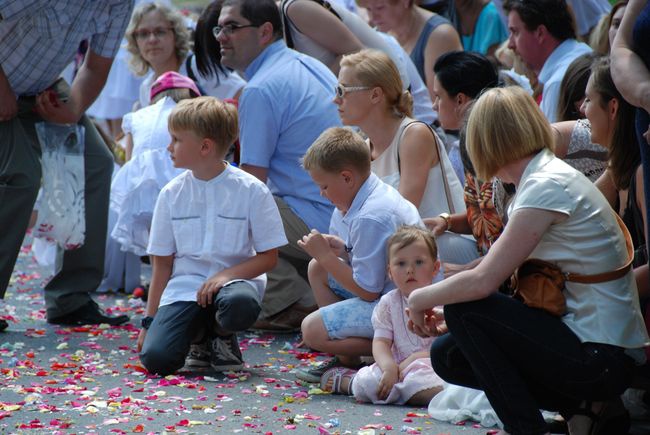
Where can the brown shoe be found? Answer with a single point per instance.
(285, 322)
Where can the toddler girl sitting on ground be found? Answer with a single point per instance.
(402, 373)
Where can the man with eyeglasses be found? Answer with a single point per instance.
(37, 41)
(284, 107)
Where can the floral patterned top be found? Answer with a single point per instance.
(482, 215)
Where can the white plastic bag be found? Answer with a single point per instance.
(62, 211)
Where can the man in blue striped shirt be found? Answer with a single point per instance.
(38, 38)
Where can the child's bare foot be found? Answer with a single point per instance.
(338, 380)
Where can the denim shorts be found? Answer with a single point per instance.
(350, 317)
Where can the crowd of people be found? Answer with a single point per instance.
(453, 189)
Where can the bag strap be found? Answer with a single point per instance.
(285, 19)
(436, 140)
(611, 275)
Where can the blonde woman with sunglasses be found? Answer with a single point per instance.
(405, 153)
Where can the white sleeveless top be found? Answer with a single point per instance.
(434, 200)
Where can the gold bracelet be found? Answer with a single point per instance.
(447, 218)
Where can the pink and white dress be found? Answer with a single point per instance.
(389, 321)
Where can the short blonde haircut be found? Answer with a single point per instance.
(375, 69)
(337, 149)
(207, 117)
(182, 36)
(407, 235)
(505, 125)
(176, 94)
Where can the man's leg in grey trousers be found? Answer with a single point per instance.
(20, 179)
(286, 285)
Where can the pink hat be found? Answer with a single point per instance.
(173, 80)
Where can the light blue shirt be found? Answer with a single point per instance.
(285, 106)
(553, 72)
(489, 30)
(375, 214)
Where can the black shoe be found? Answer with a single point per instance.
(3, 324)
(226, 354)
(88, 314)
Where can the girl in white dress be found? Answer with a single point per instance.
(136, 185)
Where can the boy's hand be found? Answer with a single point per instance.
(388, 379)
(315, 244)
(141, 336)
(337, 244)
(210, 288)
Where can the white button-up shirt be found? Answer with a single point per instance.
(212, 225)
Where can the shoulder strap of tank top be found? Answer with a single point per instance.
(285, 19)
(436, 141)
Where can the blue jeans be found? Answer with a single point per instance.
(176, 326)
(525, 359)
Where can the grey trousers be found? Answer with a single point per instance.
(287, 282)
(176, 326)
(20, 178)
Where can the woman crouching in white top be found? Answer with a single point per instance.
(524, 358)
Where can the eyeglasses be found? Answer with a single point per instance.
(229, 29)
(340, 90)
(158, 33)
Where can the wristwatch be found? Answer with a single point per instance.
(146, 322)
(447, 218)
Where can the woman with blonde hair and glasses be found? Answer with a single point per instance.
(159, 40)
(577, 361)
(405, 153)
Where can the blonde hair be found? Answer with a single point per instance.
(337, 149)
(505, 125)
(176, 94)
(182, 35)
(407, 235)
(375, 69)
(207, 117)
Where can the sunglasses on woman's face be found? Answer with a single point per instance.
(340, 90)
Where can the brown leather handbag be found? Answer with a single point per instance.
(539, 284)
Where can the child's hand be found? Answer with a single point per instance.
(315, 244)
(337, 244)
(210, 288)
(387, 381)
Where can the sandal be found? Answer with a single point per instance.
(334, 377)
(610, 418)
